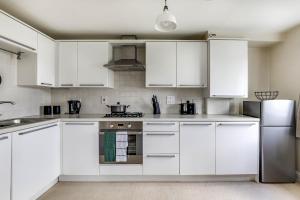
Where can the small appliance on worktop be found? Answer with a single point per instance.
(74, 106)
(187, 108)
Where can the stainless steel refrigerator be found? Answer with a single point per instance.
(277, 139)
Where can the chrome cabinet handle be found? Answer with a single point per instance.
(191, 85)
(4, 138)
(160, 134)
(92, 85)
(67, 84)
(236, 124)
(161, 156)
(128, 133)
(80, 123)
(196, 124)
(38, 129)
(151, 84)
(159, 123)
(49, 84)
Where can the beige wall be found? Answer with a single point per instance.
(285, 70)
(28, 100)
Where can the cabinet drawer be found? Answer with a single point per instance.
(161, 142)
(161, 164)
(161, 126)
(121, 169)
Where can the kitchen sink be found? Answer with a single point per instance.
(20, 121)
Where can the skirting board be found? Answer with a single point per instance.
(106, 178)
(45, 189)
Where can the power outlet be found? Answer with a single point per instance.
(104, 100)
(170, 100)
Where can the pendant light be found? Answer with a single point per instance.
(166, 22)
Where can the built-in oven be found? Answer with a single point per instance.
(133, 150)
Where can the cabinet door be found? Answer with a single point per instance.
(237, 145)
(80, 148)
(161, 164)
(46, 61)
(5, 166)
(36, 160)
(191, 64)
(67, 63)
(17, 32)
(228, 68)
(197, 148)
(161, 64)
(91, 58)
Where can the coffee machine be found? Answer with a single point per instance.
(187, 108)
(74, 106)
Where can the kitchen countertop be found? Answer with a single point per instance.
(146, 117)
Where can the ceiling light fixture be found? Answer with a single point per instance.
(165, 22)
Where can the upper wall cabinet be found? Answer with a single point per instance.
(67, 63)
(38, 69)
(91, 58)
(81, 64)
(17, 32)
(191, 64)
(161, 64)
(228, 68)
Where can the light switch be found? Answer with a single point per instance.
(104, 100)
(170, 99)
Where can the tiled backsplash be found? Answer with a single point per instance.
(129, 89)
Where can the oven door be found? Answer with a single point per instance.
(134, 149)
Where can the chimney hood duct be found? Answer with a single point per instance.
(126, 62)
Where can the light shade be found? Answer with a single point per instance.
(166, 22)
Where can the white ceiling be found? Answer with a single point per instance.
(111, 18)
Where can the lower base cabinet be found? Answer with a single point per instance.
(197, 148)
(5, 166)
(35, 160)
(80, 153)
(161, 164)
(237, 147)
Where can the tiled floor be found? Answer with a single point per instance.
(173, 191)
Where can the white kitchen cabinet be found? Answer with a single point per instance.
(191, 64)
(91, 58)
(163, 157)
(158, 126)
(197, 148)
(67, 64)
(228, 68)
(165, 142)
(161, 64)
(35, 160)
(237, 146)
(18, 32)
(38, 69)
(161, 164)
(80, 148)
(5, 166)
(46, 61)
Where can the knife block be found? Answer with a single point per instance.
(156, 108)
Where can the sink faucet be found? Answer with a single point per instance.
(5, 102)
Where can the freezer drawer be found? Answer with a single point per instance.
(277, 154)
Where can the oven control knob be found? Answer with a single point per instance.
(111, 126)
(129, 126)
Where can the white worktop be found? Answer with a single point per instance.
(146, 117)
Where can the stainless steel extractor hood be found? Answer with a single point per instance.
(126, 61)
